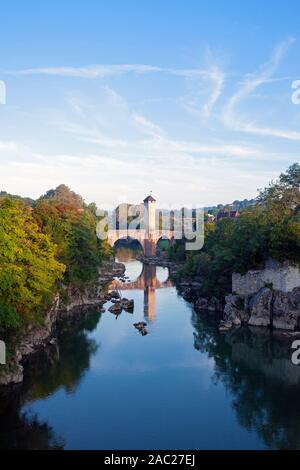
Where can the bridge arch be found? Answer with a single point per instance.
(130, 243)
(148, 231)
(164, 242)
(147, 240)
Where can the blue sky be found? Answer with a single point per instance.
(190, 99)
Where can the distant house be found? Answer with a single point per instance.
(227, 215)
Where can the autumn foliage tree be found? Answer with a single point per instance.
(29, 269)
(43, 248)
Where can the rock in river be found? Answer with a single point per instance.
(116, 308)
(114, 294)
(128, 305)
(140, 325)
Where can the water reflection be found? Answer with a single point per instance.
(20, 430)
(133, 266)
(151, 278)
(64, 364)
(255, 367)
(251, 367)
(60, 366)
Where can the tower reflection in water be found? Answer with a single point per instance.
(150, 279)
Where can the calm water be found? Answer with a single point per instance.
(182, 386)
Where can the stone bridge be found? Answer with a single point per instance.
(148, 243)
(149, 236)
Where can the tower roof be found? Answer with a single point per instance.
(149, 199)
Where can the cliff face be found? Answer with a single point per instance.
(75, 299)
(32, 340)
(64, 306)
(267, 307)
(268, 297)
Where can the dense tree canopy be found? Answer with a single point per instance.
(268, 229)
(42, 248)
(63, 195)
(28, 265)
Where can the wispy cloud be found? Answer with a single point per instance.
(158, 145)
(212, 73)
(9, 146)
(250, 84)
(150, 140)
(109, 70)
(218, 78)
(104, 143)
(148, 127)
(212, 92)
(104, 178)
(90, 71)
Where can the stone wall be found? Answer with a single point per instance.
(283, 277)
(268, 297)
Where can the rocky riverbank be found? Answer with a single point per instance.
(265, 306)
(74, 299)
(70, 303)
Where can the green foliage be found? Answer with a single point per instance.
(9, 317)
(83, 255)
(28, 265)
(74, 232)
(197, 264)
(269, 285)
(177, 251)
(286, 189)
(269, 229)
(63, 195)
(53, 242)
(26, 200)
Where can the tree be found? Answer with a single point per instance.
(29, 270)
(270, 228)
(63, 195)
(292, 177)
(74, 233)
(285, 189)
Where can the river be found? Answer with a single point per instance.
(182, 386)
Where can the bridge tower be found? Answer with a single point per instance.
(150, 225)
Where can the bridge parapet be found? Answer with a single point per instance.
(147, 240)
(139, 234)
